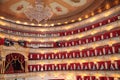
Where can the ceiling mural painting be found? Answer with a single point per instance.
(19, 7)
(39, 12)
(58, 9)
(63, 11)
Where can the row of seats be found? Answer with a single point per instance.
(102, 50)
(91, 66)
(65, 33)
(75, 42)
(79, 77)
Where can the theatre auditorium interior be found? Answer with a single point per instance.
(59, 39)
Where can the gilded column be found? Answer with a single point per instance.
(26, 59)
(26, 65)
(3, 67)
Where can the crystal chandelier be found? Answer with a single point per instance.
(39, 13)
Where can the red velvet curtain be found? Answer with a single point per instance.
(117, 47)
(85, 66)
(108, 50)
(63, 55)
(78, 66)
(77, 53)
(86, 77)
(56, 56)
(13, 59)
(117, 64)
(92, 65)
(108, 65)
(70, 55)
(63, 66)
(79, 78)
(50, 67)
(1, 41)
(92, 52)
(71, 66)
(100, 50)
(101, 65)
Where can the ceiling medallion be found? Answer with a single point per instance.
(39, 13)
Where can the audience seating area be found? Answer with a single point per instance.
(99, 37)
(90, 66)
(74, 42)
(98, 51)
(62, 33)
(93, 52)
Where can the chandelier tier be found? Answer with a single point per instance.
(39, 13)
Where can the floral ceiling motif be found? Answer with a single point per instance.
(19, 7)
(62, 10)
(39, 12)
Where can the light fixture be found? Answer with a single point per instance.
(32, 24)
(86, 16)
(92, 13)
(79, 19)
(39, 24)
(72, 20)
(52, 24)
(66, 22)
(2, 17)
(59, 23)
(25, 23)
(39, 13)
(45, 24)
(107, 6)
(18, 22)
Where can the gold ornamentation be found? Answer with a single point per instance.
(75, 1)
(39, 12)
(17, 47)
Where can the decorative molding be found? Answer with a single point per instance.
(67, 74)
(111, 57)
(78, 47)
(15, 49)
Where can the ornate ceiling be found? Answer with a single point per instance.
(64, 11)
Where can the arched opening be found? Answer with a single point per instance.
(15, 63)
